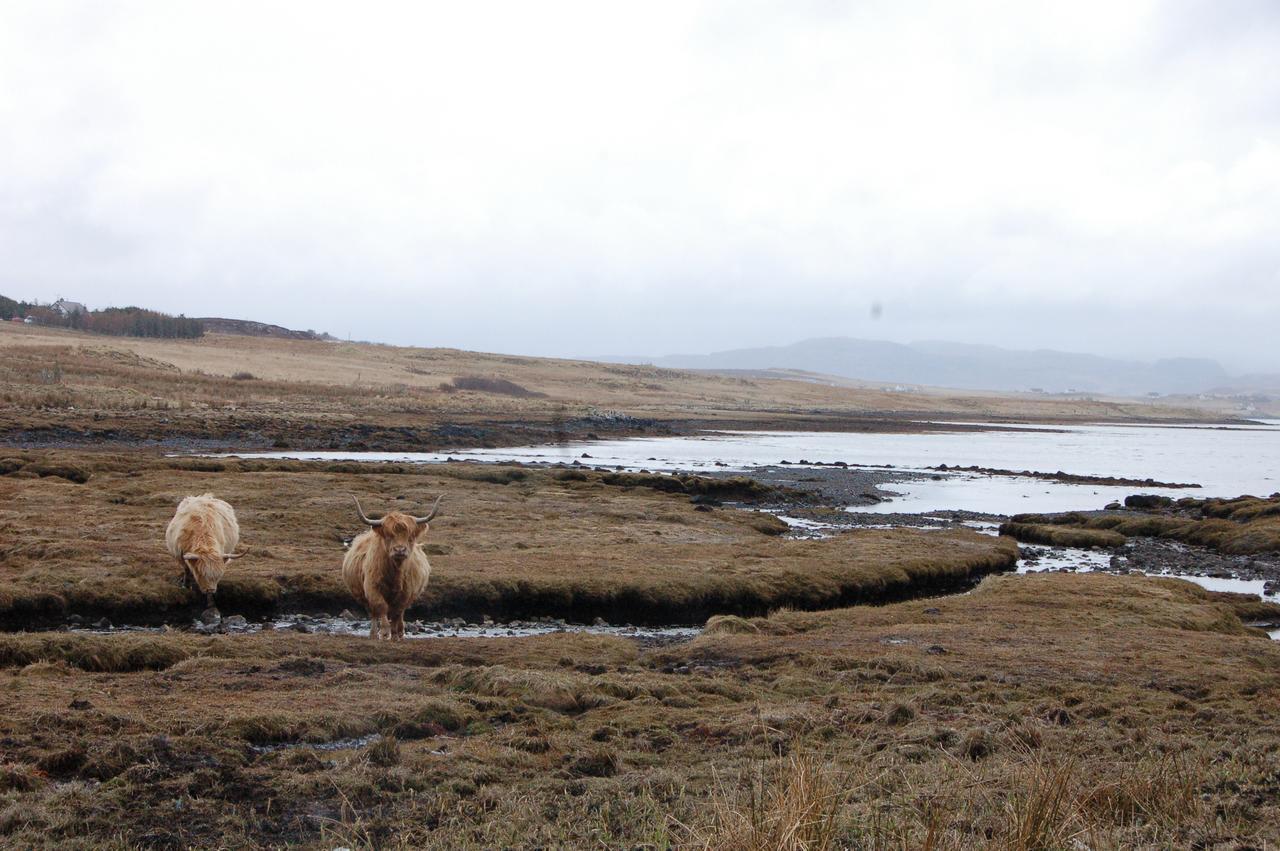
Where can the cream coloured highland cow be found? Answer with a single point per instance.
(202, 536)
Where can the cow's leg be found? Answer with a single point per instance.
(378, 618)
(397, 625)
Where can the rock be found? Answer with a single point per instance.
(936, 650)
(102, 623)
(1147, 500)
(210, 615)
(933, 611)
(348, 615)
(235, 622)
(75, 619)
(599, 622)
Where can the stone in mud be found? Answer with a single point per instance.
(210, 616)
(235, 622)
(933, 611)
(102, 623)
(348, 615)
(599, 622)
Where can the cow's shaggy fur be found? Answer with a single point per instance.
(387, 571)
(203, 536)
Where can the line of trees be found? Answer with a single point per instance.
(115, 321)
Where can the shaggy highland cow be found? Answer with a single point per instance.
(386, 569)
(202, 536)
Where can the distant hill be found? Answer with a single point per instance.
(962, 365)
(249, 328)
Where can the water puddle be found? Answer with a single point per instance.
(1075, 560)
(335, 745)
(454, 628)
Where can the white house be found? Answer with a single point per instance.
(68, 308)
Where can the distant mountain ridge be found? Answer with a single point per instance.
(969, 366)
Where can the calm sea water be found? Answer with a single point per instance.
(1225, 460)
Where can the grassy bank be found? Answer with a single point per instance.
(83, 533)
(1243, 526)
(1038, 712)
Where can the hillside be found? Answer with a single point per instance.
(959, 365)
(240, 391)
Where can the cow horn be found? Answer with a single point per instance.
(230, 556)
(372, 523)
(434, 510)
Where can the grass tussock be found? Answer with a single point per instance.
(1243, 526)
(1034, 533)
(795, 807)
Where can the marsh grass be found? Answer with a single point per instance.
(1129, 713)
(511, 542)
(1246, 525)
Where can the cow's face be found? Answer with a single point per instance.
(207, 570)
(399, 533)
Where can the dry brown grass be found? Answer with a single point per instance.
(65, 386)
(1112, 712)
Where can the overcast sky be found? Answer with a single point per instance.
(646, 178)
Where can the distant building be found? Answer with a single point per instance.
(68, 308)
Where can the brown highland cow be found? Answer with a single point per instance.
(386, 569)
